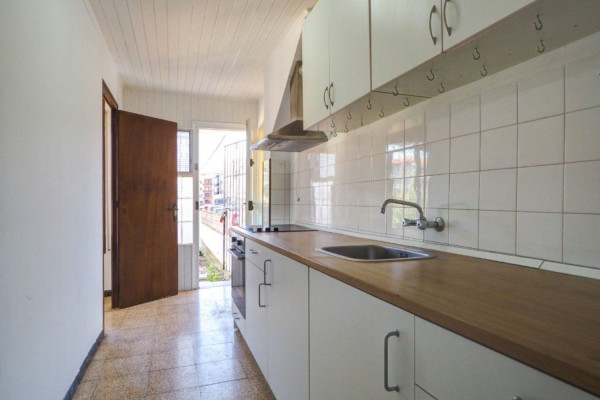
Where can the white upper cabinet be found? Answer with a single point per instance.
(315, 65)
(349, 61)
(405, 34)
(465, 18)
(335, 57)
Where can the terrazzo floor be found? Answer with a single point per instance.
(181, 347)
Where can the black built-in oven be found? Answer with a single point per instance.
(238, 271)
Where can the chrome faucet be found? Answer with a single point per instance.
(422, 223)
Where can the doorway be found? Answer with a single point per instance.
(109, 109)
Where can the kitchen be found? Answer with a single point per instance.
(509, 161)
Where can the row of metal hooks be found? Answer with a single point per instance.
(538, 25)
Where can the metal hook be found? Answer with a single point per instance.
(476, 54)
(361, 120)
(432, 77)
(396, 92)
(381, 113)
(346, 128)
(441, 89)
(540, 47)
(349, 116)
(332, 134)
(538, 24)
(332, 123)
(369, 106)
(406, 102)
(484, 72)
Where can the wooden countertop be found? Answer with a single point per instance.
(544, 319)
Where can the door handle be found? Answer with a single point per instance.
(385, 362)
(433, 38)
(175, 209)
(329, 94)
(448, 29)
(259, 285)
(324, 99)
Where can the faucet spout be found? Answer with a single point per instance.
(421, 223)
(404, 203)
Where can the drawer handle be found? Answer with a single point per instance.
(385, 362)
(252, 251)
(265, 271)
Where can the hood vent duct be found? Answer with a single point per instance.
(291, 137)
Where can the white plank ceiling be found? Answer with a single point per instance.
(202, 47)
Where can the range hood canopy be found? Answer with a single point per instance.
(291, 136)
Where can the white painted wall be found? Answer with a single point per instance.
(53, 63)
(186, 109)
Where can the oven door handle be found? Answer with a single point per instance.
(238, 255)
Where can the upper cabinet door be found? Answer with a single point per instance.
(349, 60)
(405, 34)
(464, 18)
(315, 65)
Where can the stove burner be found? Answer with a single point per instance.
(278, 228)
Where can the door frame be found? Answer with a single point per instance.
(108, 98)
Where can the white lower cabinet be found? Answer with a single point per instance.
(276, 328)
(451, 367)
(348, 330)
(256, 316)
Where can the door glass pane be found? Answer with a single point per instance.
(185, 216)
(183, 151)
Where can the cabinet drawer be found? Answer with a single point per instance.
(256, 253)
(450, 367)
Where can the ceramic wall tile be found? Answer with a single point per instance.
(582, 187)
(395, 132)
(499, 107)
(541, 95)
(464, 153)
(498, 190)
(395, 164)
(465, 116)
(497, 231)
(464, 191)
(582, 135)
(414, 161)
(437, 123)
(378, 164)
(540, 189)
(499, 148)
(437, 157)
(581, 233)
(432, 235)
(436, 191)
(582, 86)
(414, 130)
(463, 226)
(539, 235)
(542, 142)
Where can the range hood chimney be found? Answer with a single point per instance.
(291, 137)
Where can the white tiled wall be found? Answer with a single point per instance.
(511, 162)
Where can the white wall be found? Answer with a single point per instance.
(511, 162)
(186, 109)
(51, 306)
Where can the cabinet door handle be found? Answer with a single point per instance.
(448, 29)
(385, 362)
(252, 251)
(324, 97)
(329, 94)
(433, 38)
(259, 285)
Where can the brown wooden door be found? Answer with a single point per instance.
(146, 223)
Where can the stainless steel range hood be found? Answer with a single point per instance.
(291, 136)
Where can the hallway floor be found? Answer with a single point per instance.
(182, 347)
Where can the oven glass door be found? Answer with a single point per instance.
(238, 283)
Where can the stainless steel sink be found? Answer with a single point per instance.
(373, 253)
